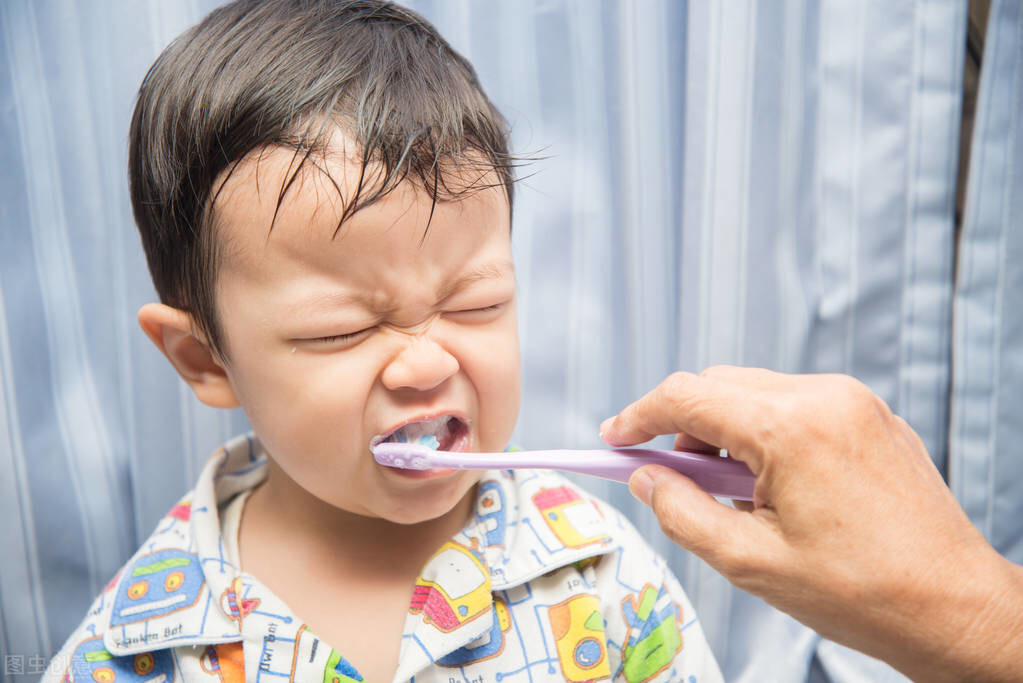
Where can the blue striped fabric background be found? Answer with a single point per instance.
(758, 183)
(986, 438)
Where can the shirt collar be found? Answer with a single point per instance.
(181, 589)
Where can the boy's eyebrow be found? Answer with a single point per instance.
(489, 271)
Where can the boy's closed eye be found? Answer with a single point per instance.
(339, 340)
(466, 315)
(477, 314)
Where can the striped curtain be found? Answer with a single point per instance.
(759, 183)
(986, 432)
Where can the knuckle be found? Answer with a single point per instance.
(737, 564)
(686, 537)
(761, 376)
(717, 371)
(848, 394)
(853, 388)
(675, 393)
(750, 562)
(881, 405)
(780, 415)
(678, 528)
(676, 383)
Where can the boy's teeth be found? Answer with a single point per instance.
(430, 433)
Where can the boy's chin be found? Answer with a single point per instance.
(421, 507)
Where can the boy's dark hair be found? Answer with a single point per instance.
(256, 73)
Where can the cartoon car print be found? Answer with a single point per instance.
(156, 585)
(491, 513)
(574, 521)
(461, 591)
(225, 661)
(92, 662)
(487, 646)
(579, 639)
(654, 634)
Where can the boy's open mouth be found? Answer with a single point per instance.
(442, 433)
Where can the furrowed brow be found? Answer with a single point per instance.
(330, 302)
(490, 271)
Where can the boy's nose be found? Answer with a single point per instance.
(422, 365)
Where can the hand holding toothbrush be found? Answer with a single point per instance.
(852, 529)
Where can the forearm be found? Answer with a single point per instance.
(983, 636)
(965, 626)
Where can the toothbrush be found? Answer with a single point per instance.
(721, 477)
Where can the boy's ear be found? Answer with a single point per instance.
(172, 332)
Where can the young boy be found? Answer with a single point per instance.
(324, 197)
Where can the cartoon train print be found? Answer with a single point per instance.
(655, 635)
(459, 594)
(92, 662)
(157, 584)
(575, 522)
(487, 646)
(579, 638)
(491, 514)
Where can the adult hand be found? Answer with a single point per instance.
(852, 530)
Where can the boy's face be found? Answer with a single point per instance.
(335, 341)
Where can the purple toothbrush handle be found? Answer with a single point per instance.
(721, 477)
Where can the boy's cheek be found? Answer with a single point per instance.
(500, 403)
(295, 393)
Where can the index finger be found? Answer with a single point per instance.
(711, 410)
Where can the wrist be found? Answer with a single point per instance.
(992, 639)
(968, 622)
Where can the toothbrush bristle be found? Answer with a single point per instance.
(408, 456)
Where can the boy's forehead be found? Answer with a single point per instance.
(273, 190)
(274, 181)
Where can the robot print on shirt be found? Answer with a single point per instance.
(487, 646)
(579, 638)
(655, 634)
(156, 585)
(491, 513)
(459, 593)
(92, 662)
(576, 522)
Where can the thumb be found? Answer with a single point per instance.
(693, 519)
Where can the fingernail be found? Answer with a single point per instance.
(605, 427)
(641, 486)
